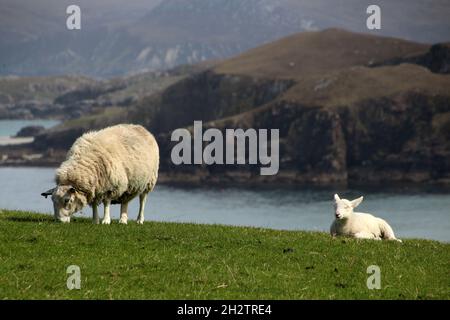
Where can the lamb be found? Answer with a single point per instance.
(356, 224)
(112, 165)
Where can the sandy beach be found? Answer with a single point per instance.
(5, 141)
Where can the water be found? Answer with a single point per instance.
(12, 127)
(411, 213)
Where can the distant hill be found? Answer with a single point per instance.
(146, 35)
(71, 97)
(32, 97)
(43, 89)
(260, 75)
(308, 53)
(350, 107)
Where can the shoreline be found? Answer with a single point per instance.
(15, 141)
(223, 181)
(27, 155)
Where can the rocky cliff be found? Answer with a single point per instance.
(349, 108)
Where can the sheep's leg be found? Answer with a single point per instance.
(365, 235)
(123, 213)
(142, 199)
(106, 215)
(95, 217)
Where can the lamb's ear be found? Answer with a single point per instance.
(48, 193)
(336, 197)
(357, 202)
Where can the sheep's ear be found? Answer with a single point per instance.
(357, 202)
(48, 193)
(336, 197)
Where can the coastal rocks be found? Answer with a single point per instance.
(30, 131)
(58, 138)
(206, 96)
(26, 155)
(339, 120)
(436, 59)
(316, 142)
(29, 110)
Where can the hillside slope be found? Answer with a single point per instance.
(309, 53)
(29, 97)
(188, 261)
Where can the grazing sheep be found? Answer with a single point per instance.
(112, 165)
(356, 224)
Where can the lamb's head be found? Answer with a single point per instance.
(343, 208)
(66, 201)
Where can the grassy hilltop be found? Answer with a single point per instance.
(188, 261)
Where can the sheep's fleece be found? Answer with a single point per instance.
(112, 165)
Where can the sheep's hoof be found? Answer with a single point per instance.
(123, 221)
(106, 221)
(140, 221)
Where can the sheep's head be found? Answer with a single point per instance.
(66, 201)
(343, 208)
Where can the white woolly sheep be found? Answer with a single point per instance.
(357, 224)
(112, 165)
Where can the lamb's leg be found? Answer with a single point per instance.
(365, 235)
(333, 231)
(95, 217)
(387, 231)
(142, 199)
(123, 213)
(106, 215)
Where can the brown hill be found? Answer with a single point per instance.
(351, 85)
(311, 53)
(305, 63)
(365, 125)
(347, 105)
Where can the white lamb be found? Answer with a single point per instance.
(112, 165)
(356, 224)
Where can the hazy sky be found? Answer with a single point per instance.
(400, 17)
(127, 35)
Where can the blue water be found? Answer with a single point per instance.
(412, 213)
(11, 127)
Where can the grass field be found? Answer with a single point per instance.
(188, 261)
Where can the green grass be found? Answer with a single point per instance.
(178, 261)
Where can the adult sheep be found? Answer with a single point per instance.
(112, 165)
(357, 224)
